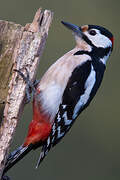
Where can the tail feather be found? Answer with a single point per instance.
(41, 157)
(45, 149)
(16, 155)
(21, 151)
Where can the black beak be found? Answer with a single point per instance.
(73, 27)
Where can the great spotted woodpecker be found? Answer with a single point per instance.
(66, 89)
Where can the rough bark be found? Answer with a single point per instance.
(20, 48)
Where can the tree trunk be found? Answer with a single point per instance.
(20, 48)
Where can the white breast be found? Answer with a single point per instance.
(54, 81)
(51, 99)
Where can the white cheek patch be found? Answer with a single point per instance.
(99, 40)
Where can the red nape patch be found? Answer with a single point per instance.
(112, 39)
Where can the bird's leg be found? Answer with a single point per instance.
(31, 86)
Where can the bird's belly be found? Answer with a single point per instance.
(50, 99)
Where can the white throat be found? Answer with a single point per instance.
(81, 44)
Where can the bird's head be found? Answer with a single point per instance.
(92, 38)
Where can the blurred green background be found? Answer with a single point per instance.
(91, 150)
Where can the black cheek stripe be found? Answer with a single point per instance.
(96, 53)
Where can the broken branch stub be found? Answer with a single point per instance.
(20, 47)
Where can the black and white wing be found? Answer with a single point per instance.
(80, 90)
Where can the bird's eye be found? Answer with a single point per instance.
(92, 32)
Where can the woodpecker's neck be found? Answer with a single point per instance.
(81, 44)
(97, 54)
(101, 54)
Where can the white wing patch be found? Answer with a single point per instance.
(88, 88)
(58, 118)
(48, 141)
(60, 134)
(64, 106)
(53, 129)
(66, 120)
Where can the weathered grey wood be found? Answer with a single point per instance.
(20, 47)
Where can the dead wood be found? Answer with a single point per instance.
(20, 48)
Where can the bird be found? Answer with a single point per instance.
(65, 90)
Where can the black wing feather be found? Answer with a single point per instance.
(74, 89)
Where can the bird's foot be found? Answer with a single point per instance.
(5, 178)
(31, 86)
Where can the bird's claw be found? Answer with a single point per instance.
(30, 86)
(5, 178)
